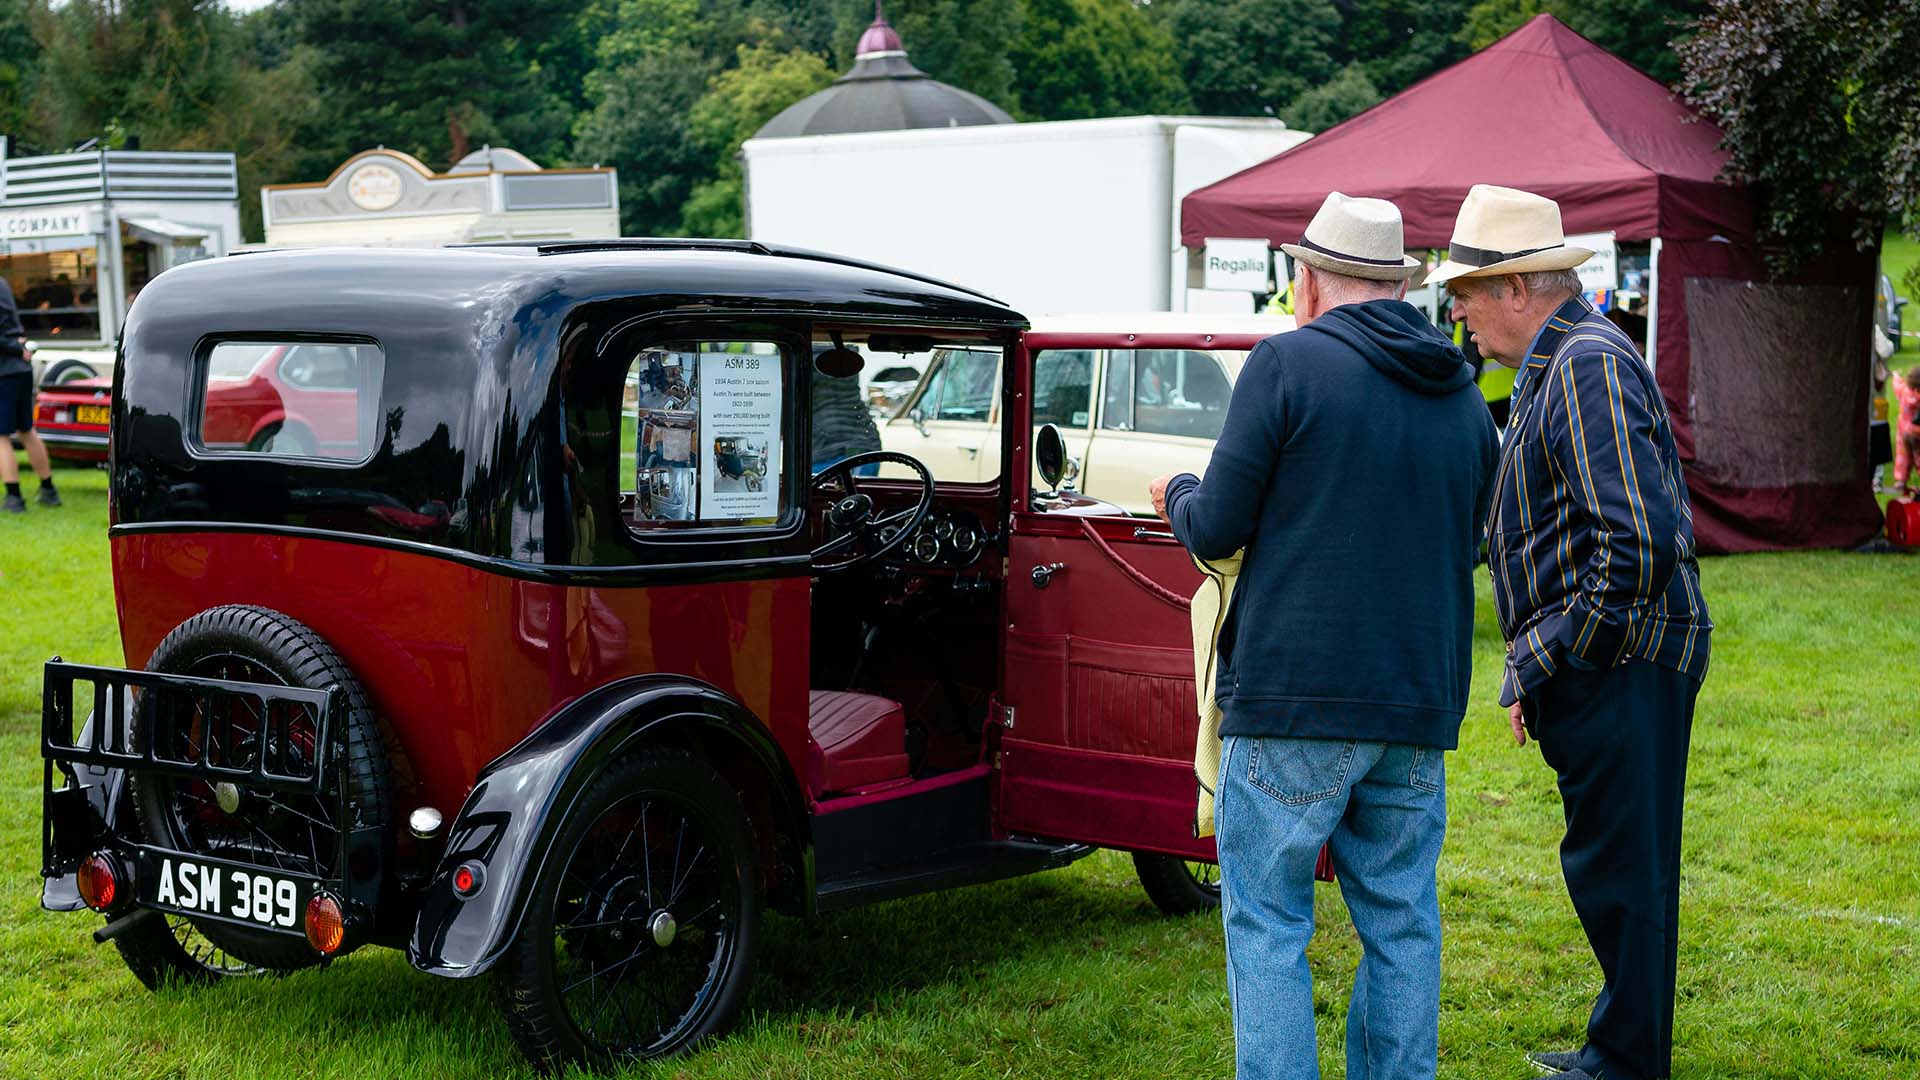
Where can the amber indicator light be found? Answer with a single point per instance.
(326, 927)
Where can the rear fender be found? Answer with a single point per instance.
(522, 800)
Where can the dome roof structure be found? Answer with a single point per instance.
(883, 92)
(493, 159)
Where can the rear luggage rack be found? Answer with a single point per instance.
(73, 825)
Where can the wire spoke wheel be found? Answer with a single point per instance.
(639, 941)
(266, 828)
(1178, 886)
(212, 816)
(1204, 875)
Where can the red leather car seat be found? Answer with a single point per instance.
(859, 740)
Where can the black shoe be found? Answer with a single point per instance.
(16, 505)
(1562, 1062)
(47, 497)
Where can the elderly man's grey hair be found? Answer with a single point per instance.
(1540, 283)
(1340, 288)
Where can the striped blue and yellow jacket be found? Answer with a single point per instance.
(1590, 535)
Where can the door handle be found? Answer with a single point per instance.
(970, 451)
(1042, 575)
(1153, 534)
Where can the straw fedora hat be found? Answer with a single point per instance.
(1357, 237)
(1506, 231)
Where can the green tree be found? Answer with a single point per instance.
(1641, 32)
(1820, 104)
(968, 43)
(1345, 95)
(1251, 57)
(1084, 58)
(436, 78)
(639, 126)
(737, 103)
(175, 74)
(1398, 42)
(19, 74)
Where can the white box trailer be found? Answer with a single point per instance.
(1071, 215)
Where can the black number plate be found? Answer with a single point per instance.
(230, 892)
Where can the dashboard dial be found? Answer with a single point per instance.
(925, 547)
(943, 528)
(966, 540)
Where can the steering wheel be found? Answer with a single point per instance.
(852, 513)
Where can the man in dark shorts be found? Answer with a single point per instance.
(16, 410)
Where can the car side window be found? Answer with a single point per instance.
(317, 400)
(1063, 387)
(703, 445)
(1179, 392)
(1116, 398)
(961, 386)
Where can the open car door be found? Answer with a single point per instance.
(1100, 714)
(1097, 675)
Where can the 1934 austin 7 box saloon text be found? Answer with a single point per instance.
(541, 650)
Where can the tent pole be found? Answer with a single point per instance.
(1653, 305)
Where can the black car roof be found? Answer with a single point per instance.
(335, 290)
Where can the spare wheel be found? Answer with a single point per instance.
(275, 830)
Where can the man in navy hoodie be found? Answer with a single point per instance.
(1354, 470)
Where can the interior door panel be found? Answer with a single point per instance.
(1099, 674)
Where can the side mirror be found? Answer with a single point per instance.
(1050, 456)
(919, 419)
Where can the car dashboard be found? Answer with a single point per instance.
(947, 540)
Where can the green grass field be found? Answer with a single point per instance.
(1800, 954)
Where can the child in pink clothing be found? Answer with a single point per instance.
(1905, 392)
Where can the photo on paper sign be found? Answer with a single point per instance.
(665, 479)
(740, 464)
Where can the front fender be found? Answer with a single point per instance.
(523, 798)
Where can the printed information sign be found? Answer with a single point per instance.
(740, 458)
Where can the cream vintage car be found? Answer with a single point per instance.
(1129, 411)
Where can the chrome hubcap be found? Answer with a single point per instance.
(227, 796)
(663, 928)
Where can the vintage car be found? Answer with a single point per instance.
(72, 418)
(1128, 413)
(504, 668)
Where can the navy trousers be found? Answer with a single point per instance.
(1618, 738)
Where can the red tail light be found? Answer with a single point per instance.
(326, 926)
(99, 881)
(467, 879)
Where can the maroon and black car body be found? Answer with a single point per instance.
(493, 667)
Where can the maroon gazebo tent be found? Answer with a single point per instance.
(1766, 381)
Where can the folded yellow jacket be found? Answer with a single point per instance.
(1209, 611)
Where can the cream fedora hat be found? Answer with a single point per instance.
(1506, 231)
(1357, 237)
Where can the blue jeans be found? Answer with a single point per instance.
(1382, 809)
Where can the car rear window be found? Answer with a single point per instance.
(314, 400)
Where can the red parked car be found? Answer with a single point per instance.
(296, 398)
(72, 419)
(443, 641)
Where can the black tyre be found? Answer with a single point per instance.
(270, 829)
(1178, 886)
(639, 936)
(167, 949)
(293, 440)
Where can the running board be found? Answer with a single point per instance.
(969, 864)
